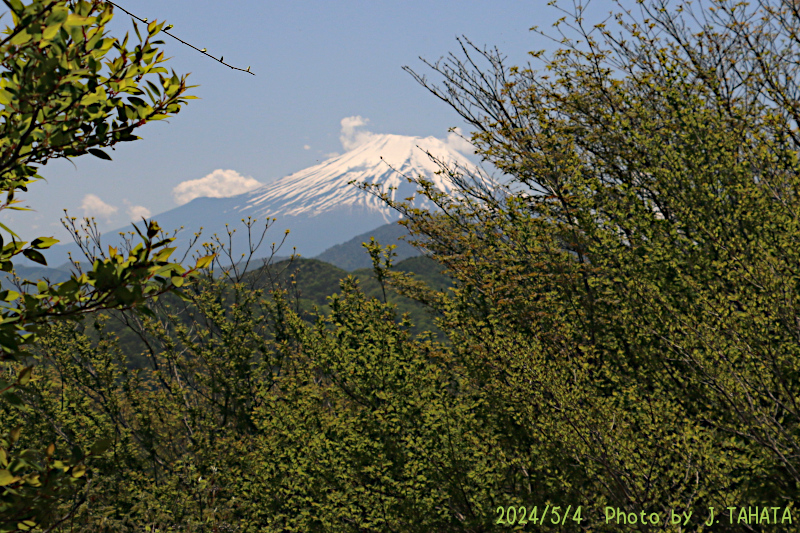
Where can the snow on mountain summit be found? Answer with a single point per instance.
(318, 205)
(384, 159)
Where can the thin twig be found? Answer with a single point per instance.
(184, 42)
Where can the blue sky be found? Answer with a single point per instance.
(316, 63)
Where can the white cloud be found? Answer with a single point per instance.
(218, 184)
(353, 135)
(332, 154)
(93, 206)
(137, 212)
(457, 142)
(350, 136)
(306, 147)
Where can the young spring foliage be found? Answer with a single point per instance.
(622, 332)
(67, 89)
(630, 298)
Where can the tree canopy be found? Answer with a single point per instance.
(621, 334)
(68, 89)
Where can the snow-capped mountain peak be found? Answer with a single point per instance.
(318, 205)
(384, 159)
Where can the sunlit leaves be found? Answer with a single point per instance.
(61, 48)
(41, 243)
(647, 244)
(68, 89)
(70, 46)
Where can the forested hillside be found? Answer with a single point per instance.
(309, 284)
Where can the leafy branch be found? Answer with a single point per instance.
(201, 50)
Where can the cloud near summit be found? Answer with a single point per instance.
(226, 183)
(219, 184)
(458, 142)
(352, 136)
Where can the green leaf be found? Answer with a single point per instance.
(100, 446)
(77, 20)
(9, 295)
(25, 375)
(6, 97)
(34, 256)
(9, 231)
(164, 254)
(7, 478)
(203, 262)
(20, 38)
(41, 243)
(154, 88)
(152, 229)
(99, 153)
(78, 470)
(59, 15)
(51, 31)
(13, 435)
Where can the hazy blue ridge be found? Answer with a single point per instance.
(36, 273)
(351, 255)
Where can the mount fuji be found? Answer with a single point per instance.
(318, 205)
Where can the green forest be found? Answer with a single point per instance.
(607, 340)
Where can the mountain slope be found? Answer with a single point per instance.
(326, 187)
(314, 281)
(319, 205)
(351, 255)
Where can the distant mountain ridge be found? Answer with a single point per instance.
(319, 205)
(352, 255)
